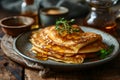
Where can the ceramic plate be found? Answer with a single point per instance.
(22, 46)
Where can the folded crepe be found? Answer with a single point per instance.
(69, 48)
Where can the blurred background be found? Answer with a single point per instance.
(76, 7)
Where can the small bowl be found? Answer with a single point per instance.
(16, 25)
(48, 16)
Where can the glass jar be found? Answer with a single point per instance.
(100, 16)
(30, 8)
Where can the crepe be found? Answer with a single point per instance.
(69, 48)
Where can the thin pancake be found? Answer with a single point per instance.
(42, 39)
(78, 58)
(48, 43)
(93, 47)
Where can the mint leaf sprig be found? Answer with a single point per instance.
(65, 25)
(104, 52)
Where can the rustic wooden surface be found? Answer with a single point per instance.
(10, 70)
(7, 47)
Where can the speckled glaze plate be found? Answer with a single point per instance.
(22, 46)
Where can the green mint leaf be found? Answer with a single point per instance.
(65, 25)
(104, 52)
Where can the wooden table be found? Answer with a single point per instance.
(10, 70)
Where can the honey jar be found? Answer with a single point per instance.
(101, 17)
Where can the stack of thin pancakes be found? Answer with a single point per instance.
(48, 43)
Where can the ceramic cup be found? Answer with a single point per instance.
(48, 16)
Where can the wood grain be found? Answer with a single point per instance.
(9, 70)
